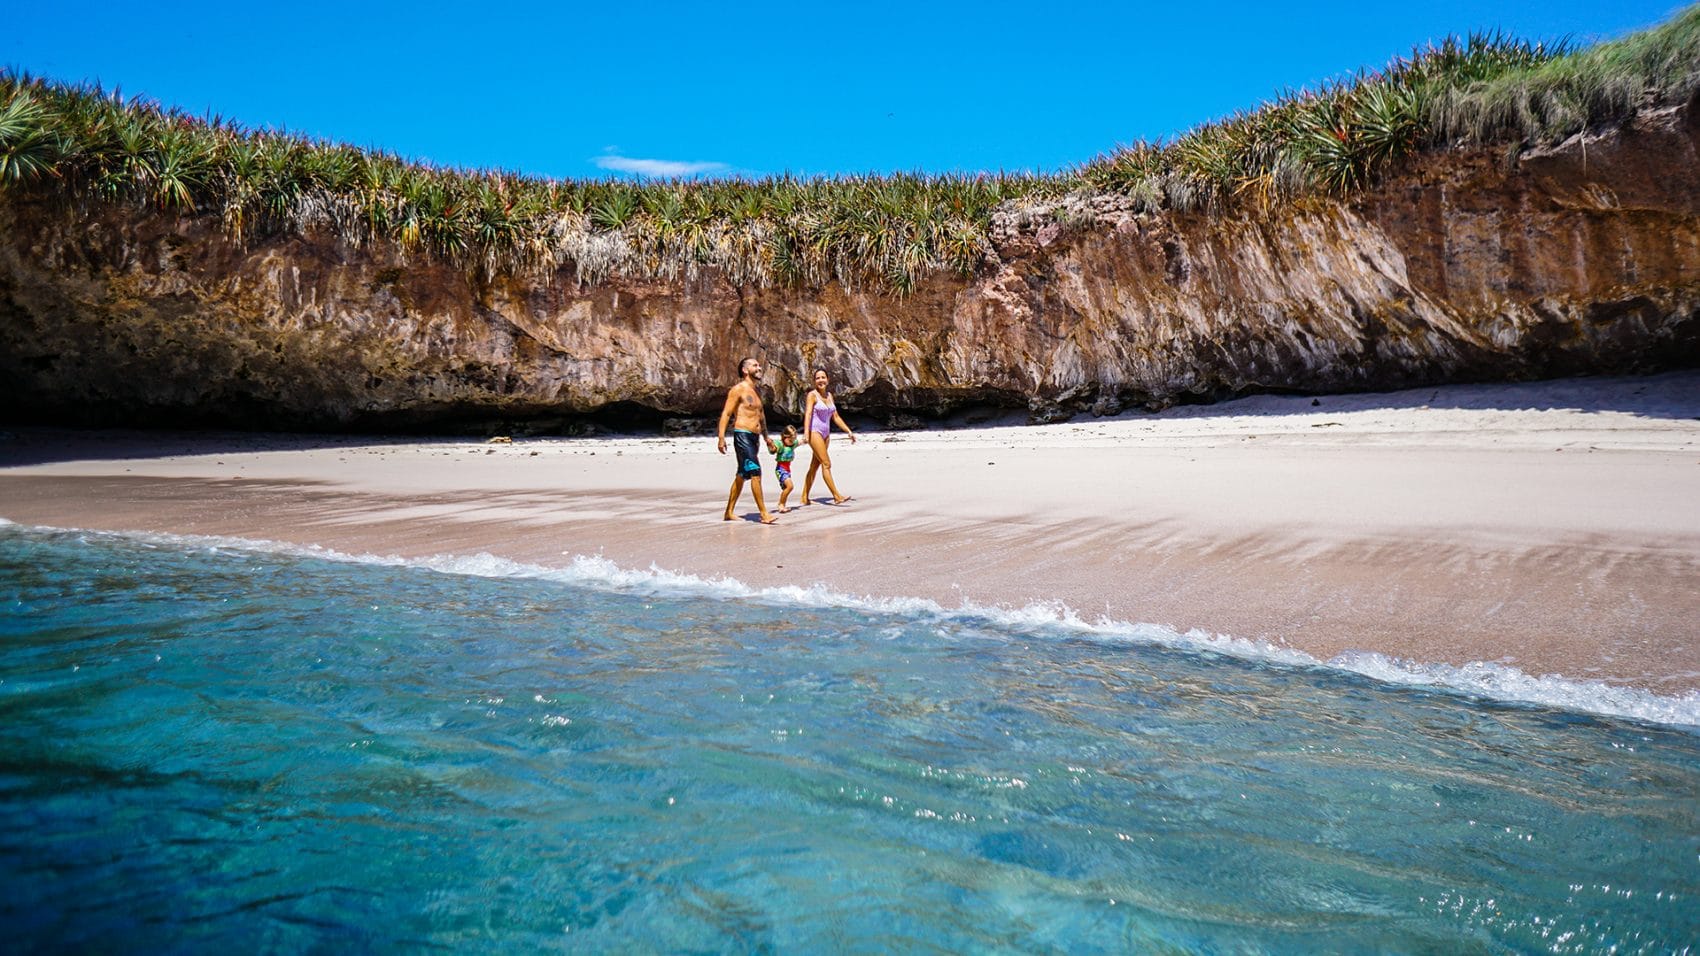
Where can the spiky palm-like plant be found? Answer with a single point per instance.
(614, 208)
(883, 232)
(29, 147)
(182, 166)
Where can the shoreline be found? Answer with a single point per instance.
(1549, 527)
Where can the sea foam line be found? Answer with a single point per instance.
(1480, 679)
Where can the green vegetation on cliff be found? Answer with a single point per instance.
(84, 145)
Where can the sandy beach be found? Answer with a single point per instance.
(1551, 527)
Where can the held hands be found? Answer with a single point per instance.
(722, 444)
(772, 446)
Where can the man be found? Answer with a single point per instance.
(749, 429)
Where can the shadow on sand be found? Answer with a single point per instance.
(1668, 396)
(38, 445)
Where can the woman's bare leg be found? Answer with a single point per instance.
(823, 461)
(809, 479)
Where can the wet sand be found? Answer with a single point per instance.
(1553, 527)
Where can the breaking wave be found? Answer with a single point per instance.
(1481, 679)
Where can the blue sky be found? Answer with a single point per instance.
(571, 90)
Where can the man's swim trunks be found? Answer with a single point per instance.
(747, 447)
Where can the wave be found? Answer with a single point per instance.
(1484, 680)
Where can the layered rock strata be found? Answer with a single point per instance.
(1464, 265)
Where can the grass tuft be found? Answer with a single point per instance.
(887, 233)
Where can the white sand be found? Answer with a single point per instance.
(1552, 526)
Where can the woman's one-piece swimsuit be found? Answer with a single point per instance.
(822, 420)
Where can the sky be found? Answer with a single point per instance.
(571, 90)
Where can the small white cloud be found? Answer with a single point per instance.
(658, 168)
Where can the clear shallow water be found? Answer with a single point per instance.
(205, 748)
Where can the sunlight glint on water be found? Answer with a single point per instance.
(212, 748)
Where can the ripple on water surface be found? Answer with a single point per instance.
(204, 747)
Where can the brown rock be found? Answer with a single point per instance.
(1583, 258)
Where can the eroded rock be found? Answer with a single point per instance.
(1584, 258)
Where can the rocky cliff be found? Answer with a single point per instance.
(1463, 265)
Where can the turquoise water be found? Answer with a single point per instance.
(212, 749)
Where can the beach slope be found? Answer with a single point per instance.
(1551, 527)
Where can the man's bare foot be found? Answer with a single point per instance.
(729, 517)
(768, 519)
(846, 498)
(784, 510)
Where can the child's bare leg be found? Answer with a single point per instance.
(784, 493)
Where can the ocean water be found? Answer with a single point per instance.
(211, 747)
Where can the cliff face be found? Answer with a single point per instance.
(1465, 265)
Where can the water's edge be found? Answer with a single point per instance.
(1484, 680)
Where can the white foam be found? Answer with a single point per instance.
(1482, 679)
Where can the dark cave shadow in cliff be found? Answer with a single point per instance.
(1672, 396)
(1667, 395)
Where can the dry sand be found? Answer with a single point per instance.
(1553, 527)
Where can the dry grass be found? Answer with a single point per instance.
(82, 144)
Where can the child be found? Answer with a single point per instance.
(782, 455)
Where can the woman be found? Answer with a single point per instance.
(820, 413)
